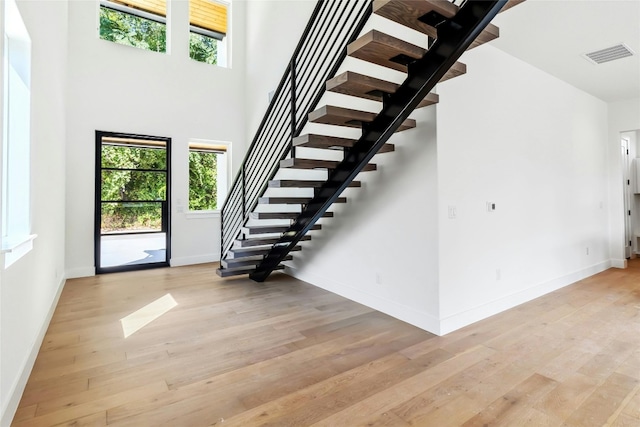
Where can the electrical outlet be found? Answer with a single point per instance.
(498, 274)
(587, 250)
(491, 207)
(453, 212)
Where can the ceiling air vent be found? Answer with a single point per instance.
(609, 54)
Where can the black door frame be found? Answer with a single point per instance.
(166, 211)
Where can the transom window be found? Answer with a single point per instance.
(137, 23)
(143, 24)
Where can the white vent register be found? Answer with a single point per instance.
(612, 53)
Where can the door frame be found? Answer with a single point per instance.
(166, 206)
(627, 197)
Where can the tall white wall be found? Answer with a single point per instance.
(622, 116)
(124, 89)
(31, 286)
(535, 146)
(273, 29)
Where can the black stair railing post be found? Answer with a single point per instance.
(221, 235)
(292, 67)
(244, 192)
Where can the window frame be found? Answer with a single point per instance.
(222, 175)
(16, 227)
(223, 39)
(108, 4)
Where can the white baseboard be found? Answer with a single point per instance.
(467, 317)
(190, 260)
(410, 315)
(74, 273)
(619, 263)
(456, 321)
(16, 390)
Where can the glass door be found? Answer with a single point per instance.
(132, 208)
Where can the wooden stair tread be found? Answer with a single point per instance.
(332, 143)
(239, 253)
(408, 12)
(317, 164)
(283, 215)
(246, 262)
(390, 52)
(340, 116)
(510, 4)
(227, 272)
(263, 241)
(361, 86)
(292, 183)
(267, 229)
(292, 200)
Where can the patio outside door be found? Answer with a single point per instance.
(132, 209)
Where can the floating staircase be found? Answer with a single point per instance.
(258, 250)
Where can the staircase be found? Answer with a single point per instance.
(250, 247)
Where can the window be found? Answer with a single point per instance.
(16, 138)
(208, 31)
(207, 175)
(138, 23)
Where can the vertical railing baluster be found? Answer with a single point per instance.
(244, 192)
(270, 143)
(292, 66)
(221, 235)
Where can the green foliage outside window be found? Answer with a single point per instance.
(203, 48)
(203, 180)
(132, 30)
(146, 182)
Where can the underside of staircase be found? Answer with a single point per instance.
(260, 249)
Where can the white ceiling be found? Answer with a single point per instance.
(554, 34)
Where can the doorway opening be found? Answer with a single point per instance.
(132, 226)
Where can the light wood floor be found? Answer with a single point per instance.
(237, 353)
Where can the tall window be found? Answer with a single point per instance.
(138, 23)
(207, 175)
(208, 31)
(16, 138)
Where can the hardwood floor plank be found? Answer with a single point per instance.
(67, 414)
(402, 392)
(234, 352)
(633, 406)
(99, 419)
(506, 410)
(603, 402)
(625, 421)
(570, 393)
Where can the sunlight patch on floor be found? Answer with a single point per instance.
(147, 314)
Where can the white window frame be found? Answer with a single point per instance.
(224, 44)
(223, 178)
(15, 229)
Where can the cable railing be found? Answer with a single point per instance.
(321, 50)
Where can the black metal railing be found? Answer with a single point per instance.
(322, 48)
(455, 36)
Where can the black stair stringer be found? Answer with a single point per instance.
(455, 35)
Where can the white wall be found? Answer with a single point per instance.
(123, 89)
(511, 134)
(273, 29)
(507, 133)
(622, 116)
(31, 286)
